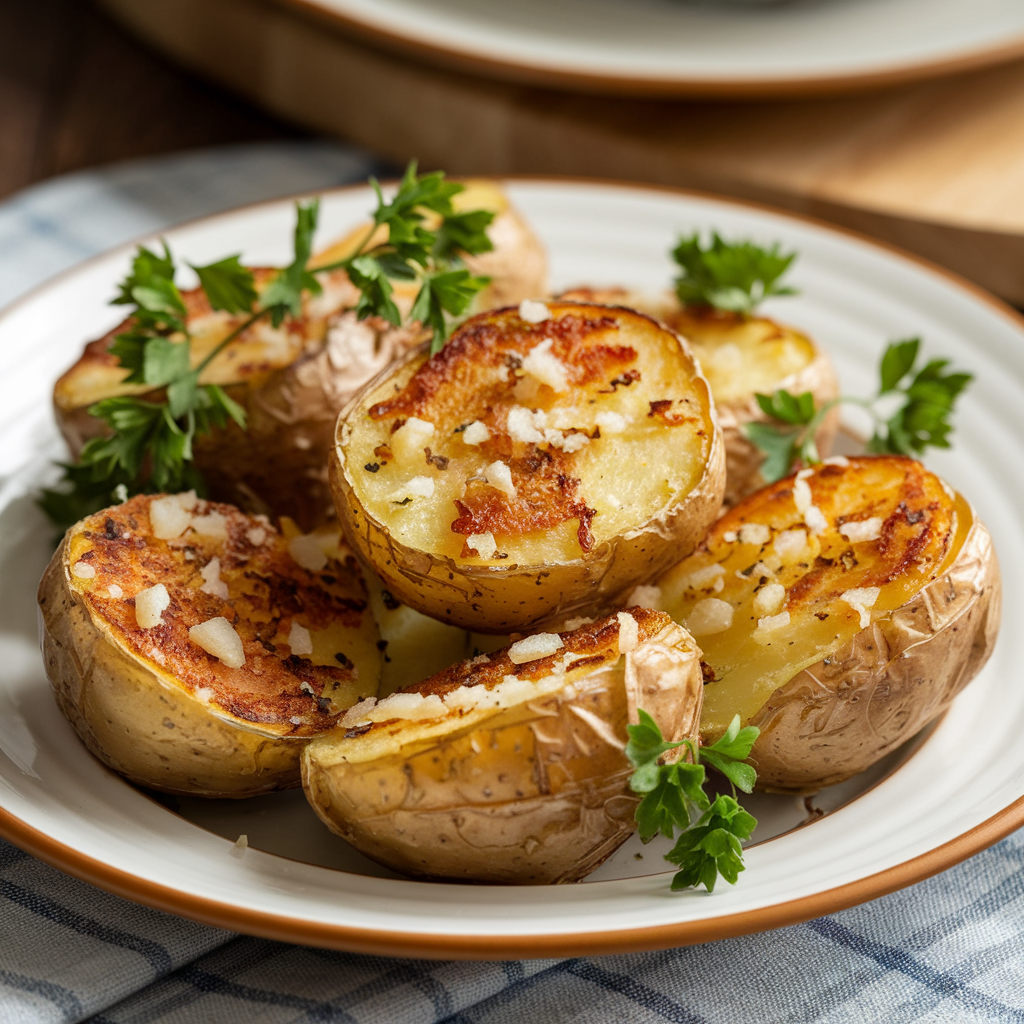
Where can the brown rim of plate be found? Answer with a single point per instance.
(477, 947)
(664, 87)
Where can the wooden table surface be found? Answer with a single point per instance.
(76, 91)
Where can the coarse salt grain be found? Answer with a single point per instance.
(299, 640)
(629, 633)
(860, 599)
(531, 648)
(150, 604)
(307, 552)
(533, 312)
(483, 544)
(862, 530)
(218, 637)
(711, 615)
(499, 476)
(476, 433)
(213, 584)
(83, 570)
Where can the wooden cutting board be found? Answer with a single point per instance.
(936, 167)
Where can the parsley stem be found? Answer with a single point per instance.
(227, 341)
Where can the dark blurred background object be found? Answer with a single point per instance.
(935, 166)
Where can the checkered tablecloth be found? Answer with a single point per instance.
(948, 950)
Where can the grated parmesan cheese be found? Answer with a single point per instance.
(571, 443)
(545, 368)
(521, 426)
(629, 633)
(83, 570)
(711, 615)
(645, 596)
(533, 312)
(256, 536)
(531, 648)
(213, 584)
(789, 544)
(150, 604)
(860, 599)
(499, 476)
(409, 440)
(218, 637)
(299, 640)
(768, 600)
(863, 530)
(417, 487)
(768, 625)
(611, 422)
(115, 591)
(836, 460)
(483, 544)
(306, 551)
(211, 525)
(167, 518)
(712, 576)
(754, 533)
(476, 433)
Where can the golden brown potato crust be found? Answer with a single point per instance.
(589, 508)
(121, 684)
(531, 793)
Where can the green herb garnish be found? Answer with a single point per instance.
(673, 799)
(732, 276)
(149, 444)
(925, 401)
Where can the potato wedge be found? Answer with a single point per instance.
(195, 649)
(741, 357)
(506, 770)
(294, 379)
(531, 467)
(840, 609)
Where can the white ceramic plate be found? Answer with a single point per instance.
(952, 797)
(676, 47)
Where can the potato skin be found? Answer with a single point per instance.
(843, 714)
(137, 721)
(536, 793)
(509, 597)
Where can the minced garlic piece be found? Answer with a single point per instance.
(860, 599)
(213, 525)
(710, 616)
(768, 600)
(83, 570)
(218, 637)
(645, 596)
(531, 648)
(611, 422)
(299, 640)
(167, 518)
(417, 487)
(213, 584)
(306, 551)
(754, 533)
(629, 633)
(499, 476)
(476, 433)
(863, 530)
(150, 604)
(483, 544)
(409, 440)
(533, 312)
(545, 368)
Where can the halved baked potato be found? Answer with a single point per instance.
(292, 380)
(741, 356)
(196, 649)
(546, 459)
(840, 610)
(510, 767)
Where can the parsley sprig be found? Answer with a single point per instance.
(149, 444)
(732, 276)
(925, 399)
(673, 798)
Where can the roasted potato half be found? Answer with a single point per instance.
(840, 610)
(741, 356)
(508, 768)
(546, 459)
(196, 649)
(294, 379)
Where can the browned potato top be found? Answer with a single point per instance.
(307, 636)
(795, 570)
(533, 442)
